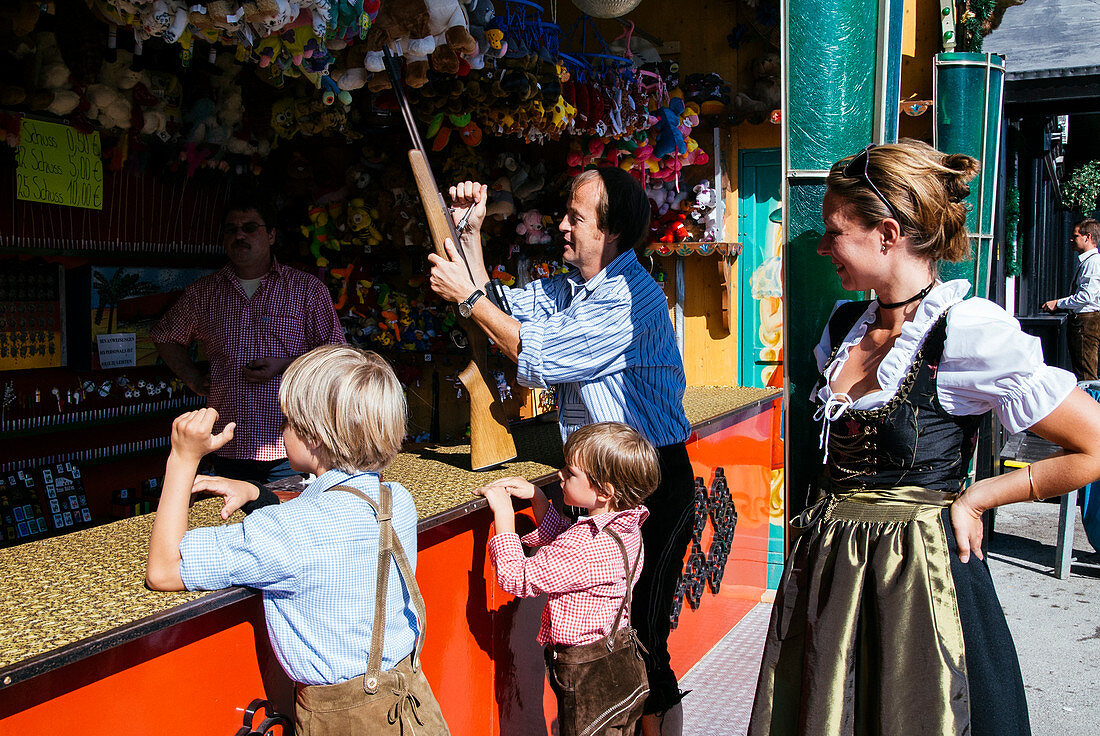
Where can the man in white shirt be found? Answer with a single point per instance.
(1084, 303)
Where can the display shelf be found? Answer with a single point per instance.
(27, 427)
(169, 253)
(94, 455)
(693, 247)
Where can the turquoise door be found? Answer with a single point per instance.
(759, 277)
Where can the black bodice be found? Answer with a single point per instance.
(911, 440)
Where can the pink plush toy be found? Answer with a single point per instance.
(532, 229)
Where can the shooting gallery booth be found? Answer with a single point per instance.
(126, 132)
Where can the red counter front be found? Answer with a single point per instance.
(195, 668)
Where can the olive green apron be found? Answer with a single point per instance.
(866, 636)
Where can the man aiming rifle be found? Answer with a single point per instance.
(601, 334)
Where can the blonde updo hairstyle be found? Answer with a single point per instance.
(926, 187)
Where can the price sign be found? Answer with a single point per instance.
(58, 165)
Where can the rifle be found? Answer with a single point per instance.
(491, 442)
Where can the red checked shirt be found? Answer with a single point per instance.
(578, 565)
(289, 314)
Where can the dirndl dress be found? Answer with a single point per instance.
(877, 627)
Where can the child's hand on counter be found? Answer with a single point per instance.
(496, 495)
(235, 492)
(192, 437)
(516, 487)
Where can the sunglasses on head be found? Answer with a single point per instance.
(229, 229)
(857, 169)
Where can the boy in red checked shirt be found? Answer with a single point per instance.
(587, 568)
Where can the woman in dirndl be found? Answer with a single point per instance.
(886, 620)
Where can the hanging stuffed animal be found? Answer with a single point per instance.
(52, 91)
(762, 96)
(532, 229)
(704, 211)
(405, 27)
(451, 29)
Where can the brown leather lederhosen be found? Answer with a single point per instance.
(397, 701)
(601, 687)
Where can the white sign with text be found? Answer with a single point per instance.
(117, 350)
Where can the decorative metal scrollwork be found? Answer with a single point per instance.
(273, 718)
(706, 569)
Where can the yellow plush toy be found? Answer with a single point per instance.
(361, 223)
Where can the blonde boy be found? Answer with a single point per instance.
(587, 569)
(314, 558)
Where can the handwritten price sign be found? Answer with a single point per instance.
(58, 165)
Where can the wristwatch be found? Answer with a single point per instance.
(466, 308)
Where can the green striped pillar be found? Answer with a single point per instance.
(841, 79)
(968, 90)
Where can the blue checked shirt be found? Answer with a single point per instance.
(314, 559)
(608, 345)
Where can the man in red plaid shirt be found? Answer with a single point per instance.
(253, 317)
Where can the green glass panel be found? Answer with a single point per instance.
(812, 290)
(831, 93)
(969, 91)
(968, 120)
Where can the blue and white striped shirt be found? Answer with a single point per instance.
(315, 560)
(608, 345)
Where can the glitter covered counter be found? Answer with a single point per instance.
(69, 597)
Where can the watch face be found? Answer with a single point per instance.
(464, 309)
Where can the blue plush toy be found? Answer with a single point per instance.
(669, 138)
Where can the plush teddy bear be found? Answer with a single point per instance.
(532, 183)
(479, 13)
(52, 91)
(709, 91)
(405, 27)
(450, 27)
(201, 117)
(673, 229)
(670, 139)
(350, 71)
(361, 221)
(19, 18)
(763, 95)
(501, 202)
(261, 13)
(532, 228)
(110, 96)
(704, 210)
(665, 198)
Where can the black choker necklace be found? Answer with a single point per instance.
(916, 297)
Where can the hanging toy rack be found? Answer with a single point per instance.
(600, 61)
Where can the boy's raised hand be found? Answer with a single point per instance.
(235, 492)
(192, 437)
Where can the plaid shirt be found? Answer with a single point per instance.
(290, 314)
(579, 568)
(315, 561)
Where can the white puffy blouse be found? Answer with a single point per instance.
(988, 362)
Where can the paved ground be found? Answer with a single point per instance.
(1056, 625)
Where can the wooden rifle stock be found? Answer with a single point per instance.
(490, 441)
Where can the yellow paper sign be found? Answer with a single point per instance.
(58, 165)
